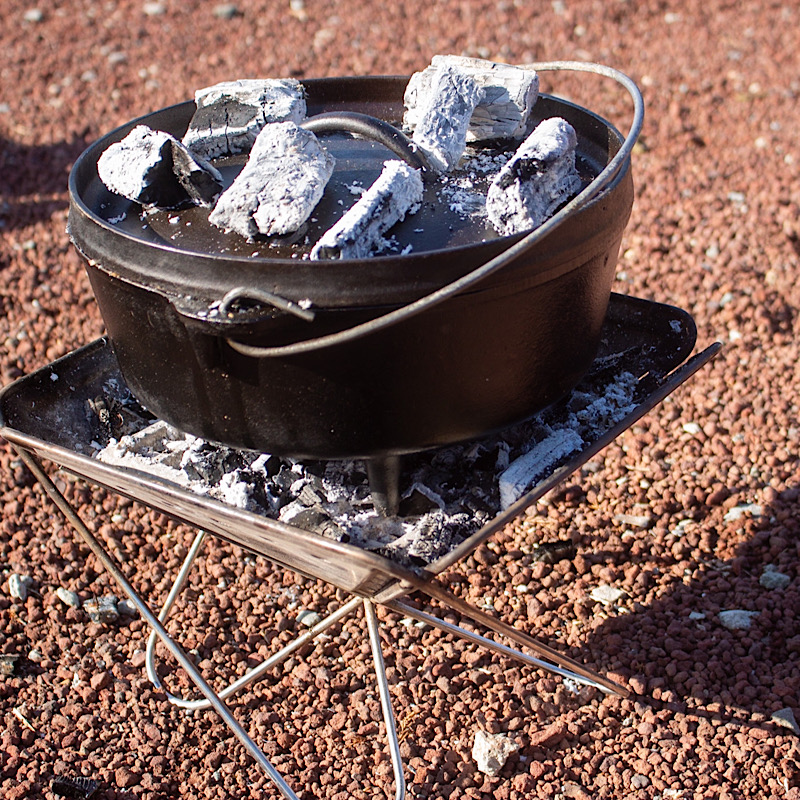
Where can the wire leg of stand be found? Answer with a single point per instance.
(94, 545)
(404, 608)
(269, 663)
(386, 700)
(435, 590)
(177, 588)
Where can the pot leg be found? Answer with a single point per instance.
(384, 482)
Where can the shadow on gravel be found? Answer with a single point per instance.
(34, 180)
(726, 635)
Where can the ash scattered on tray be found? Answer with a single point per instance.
(447, 494)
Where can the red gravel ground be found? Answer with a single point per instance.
(715, 230)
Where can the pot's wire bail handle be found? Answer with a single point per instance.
(583, 198)
(268, 298)
(371, 128)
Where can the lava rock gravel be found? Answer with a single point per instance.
(689, 516)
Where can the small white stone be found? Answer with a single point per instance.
(772, 579)
(737, 619)
(126, 608)
(491, 751)
(786, 719)
(308, 618)
(68, 597)
(737, 512)
(605, 594)
(18, 586)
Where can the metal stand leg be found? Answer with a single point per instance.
(386, 700)
(409, 611)
(213, 698)
(579, 672)
(256, 672)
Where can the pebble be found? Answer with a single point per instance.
(33, 15)
(18, 586)
(127, 608)
(8, 663)
(607, 595)
(737, 512)
(772, 579)
(68, 598)
(226, 11)
(644, 521)
(786, 719)
(154, 9)
(308, 618)
(103, 609)
(491, 751)
(737, 619)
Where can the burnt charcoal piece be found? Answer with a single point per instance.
(201, 182)
(78, 788)
(553, 552)
(154, 169)
(230, 115)
(416, 504)
(443, 117)
(359, 232)
(537, 179)
(280, 185)
(509, 94)
(209, 463)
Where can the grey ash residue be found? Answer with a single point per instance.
(447, 494)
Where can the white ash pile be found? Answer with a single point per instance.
(447, 494)
(465, 115)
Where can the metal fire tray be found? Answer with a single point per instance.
(47, 413)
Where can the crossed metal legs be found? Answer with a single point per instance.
(550, 660)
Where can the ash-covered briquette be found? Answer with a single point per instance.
(446, 494)
(359, 232)
(153, 168)
(279, 186)
(442, 116)
(508, 96)
(231, 114)
(538, 178)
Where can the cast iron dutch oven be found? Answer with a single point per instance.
(250, 345)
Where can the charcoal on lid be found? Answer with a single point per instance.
(280, 185)
(155, 169)
(231, 114)
(444, 108)
(360, 231)
(538, 178)
(503, 110)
